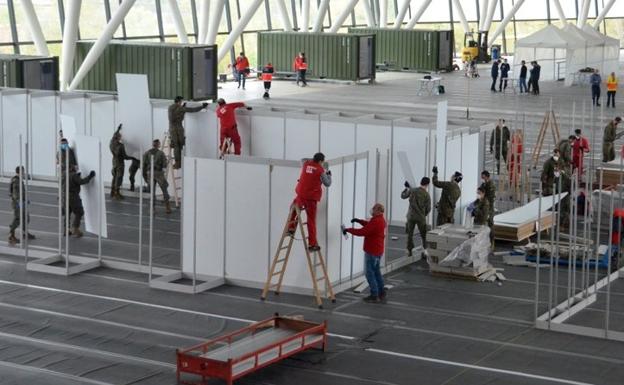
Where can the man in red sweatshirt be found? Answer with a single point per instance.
(374, 233)
(309, 191)
(226, 112)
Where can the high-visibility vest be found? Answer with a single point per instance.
(303, 66)
(612, 83)
(267, 76)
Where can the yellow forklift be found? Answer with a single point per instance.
(476, 49)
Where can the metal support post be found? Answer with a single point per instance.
(26, 210)
(100, 194)
(67, 212)
(537, 262)
(151, 219)
(21, 192)
(141, 185)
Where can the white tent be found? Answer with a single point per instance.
(592, 55)
(552, 48)
(610, 50)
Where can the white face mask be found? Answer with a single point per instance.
(556, 158)
(557, 174)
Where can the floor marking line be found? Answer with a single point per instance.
(477, 367)
(80, 380)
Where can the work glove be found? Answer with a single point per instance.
(344, 230)
(119, 127)
(435, 169)
(406, 184)
(249, 108)
(135, 160)
(325, 165)
(354, 220)
(204, 105)
(328, 172)
(92, 174)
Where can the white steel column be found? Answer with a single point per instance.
(70, 35)
(305, 16)
(204, 16)
(35, 28)
(339, 21)
(320, 16)
(401, 14)
(490, 16)
(102, 42)
(178, 22)
(462, 16)
(370, 19)
(412, 23)
(584, 13)
(383, 13)
(560, 12)
(215, 21)
(505, 21)
(603, 13)
(238, 28)
(283, 11)
(484, 13)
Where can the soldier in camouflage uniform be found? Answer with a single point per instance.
(499, 143)
(450, 195)
(118, 150)
(61, 156)
(610, 135)
(556, 173)
(75, 203)
(419, 208)
(550, 171)
(481, 212)
(489, 188)
(176, 114)
(565, 149)
(160, 164)
(18, 207)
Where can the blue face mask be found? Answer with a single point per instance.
(64, 146)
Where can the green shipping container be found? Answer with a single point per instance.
(406, 49)
(32, 72)
(329, 55)
(186, 70)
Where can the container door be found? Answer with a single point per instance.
(204, 73)
(39, 74)
(445, 46)
(367, 59)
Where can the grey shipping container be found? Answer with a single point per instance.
(172, 69)
(329, 55)
(412, 49)
(33, 72)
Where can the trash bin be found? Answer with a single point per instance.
(496, 52)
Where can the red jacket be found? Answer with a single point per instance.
(300, 63)
(374, 233)
(579, 147)
(242, 63)
(309, 184)
(227, 115)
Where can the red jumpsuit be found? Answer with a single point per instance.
(227, 121)
(309, 191)
(515, 159)
(579, 148)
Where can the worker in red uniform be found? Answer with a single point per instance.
(515, 160)
(579, 148)
(301, 67)
(267, 78)
(242, 69)
(374, 233)
(314, 175)
(226, 112)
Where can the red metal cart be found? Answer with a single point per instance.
(234, 355)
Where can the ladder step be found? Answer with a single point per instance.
(320, 279)
(277, 273)
(280, 260)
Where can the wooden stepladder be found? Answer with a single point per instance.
(172, 174)
(315, 261)
(550, 121)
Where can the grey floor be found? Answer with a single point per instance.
(107, 327)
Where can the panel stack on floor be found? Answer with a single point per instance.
(442, 240)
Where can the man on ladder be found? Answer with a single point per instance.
(176, 114)
(226, 112)
(314, 174)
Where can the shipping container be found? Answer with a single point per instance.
(33, 72)
(172, 69)
(412, 49)
(329, 55)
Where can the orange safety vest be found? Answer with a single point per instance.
(267, 77)
(612, 83)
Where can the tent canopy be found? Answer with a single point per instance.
(550, 37)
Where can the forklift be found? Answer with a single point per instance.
(476, 49)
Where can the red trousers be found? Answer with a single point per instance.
(310, 208)
(231, 133)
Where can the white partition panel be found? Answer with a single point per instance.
(361, 208)
(14, 124)
(75, 105)
(247, 221)
(203, 216)
(202, 134)
(453, 162)
(161, 120)
(135, 112)
(103, 126)
(348, 212)
(470, 168)
(44, 128)
(92, 194)
(267, 136)
(244, 123)
(374, 134)
(302, 135)
(333, 249)
(337, 138)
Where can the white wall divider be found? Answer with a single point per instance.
(14, 124)
(160, 118)
(75, 105)
(88, 152)
(338, 134)
(202, 133)
(361, 208)
(347, 212)
(414, 137)
(303, 134)
(135, 112)
(268, 133)
(103, 125)
(245, 130)
(44, 128)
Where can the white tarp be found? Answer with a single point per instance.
(88, 151)
(528, 212)
(135, 113)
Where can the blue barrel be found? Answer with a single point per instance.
(496, 52)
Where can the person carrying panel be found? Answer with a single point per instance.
(176, 114)
(75, 203)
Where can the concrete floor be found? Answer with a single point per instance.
(107, 327)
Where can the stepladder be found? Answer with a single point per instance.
(173, 174)
(315, 260)
(226, 148)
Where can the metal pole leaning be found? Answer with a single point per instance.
(59, 170)
(21, 192)
(609, 253)
(194, 223)
(552, 252)
(100, 194)
(598, 228)
(558, 238)
(141, 211)
(151, 220)
(24, 224)
(537, 261)
(67, 211)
